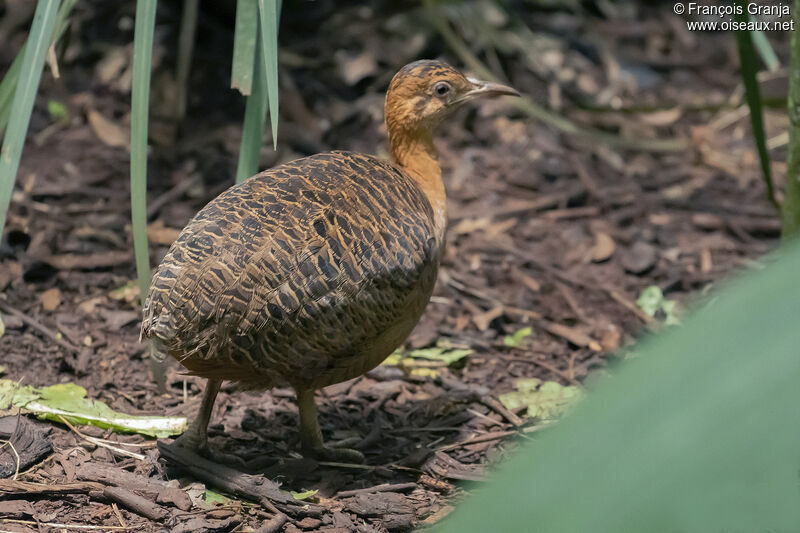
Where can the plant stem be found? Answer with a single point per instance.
(790, 212)
(140, 102)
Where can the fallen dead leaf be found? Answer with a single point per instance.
(603, 248)
(610, 340)
(662, 118)
(483, 320)
(110, 133)
(160, 234)
(706, 263)
(89, 261)
(354, 68)
(51, 299)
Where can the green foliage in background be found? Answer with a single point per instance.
(30, 72)
(790, 213)
(752, 93)
(699, 433)
(748, 44)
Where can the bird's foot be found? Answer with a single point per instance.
(199, 444)
(192, 441)
(334, 455)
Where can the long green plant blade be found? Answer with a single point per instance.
(9, 84)
(44, 20)
(244, 46)
(764, 49)
(752, 93)
(699, 433)
(268, 14)
(253, 128)
(140, 102)
(790, 210)
(247, 75)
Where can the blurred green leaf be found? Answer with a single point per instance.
(212, 497)
(546, 400)
(516, 339)
(752, 93)
(304, 495)
(700, 433)
(652, 300)
(57, 110)
(764, 49)
(445, 354)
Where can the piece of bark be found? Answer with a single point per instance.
(133, 502)
(111, 475)
(250, 487)
(27, 445)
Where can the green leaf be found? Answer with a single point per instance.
(516, 339)
(305, 494)
(440, 353)
(700, 433)
(69, 401)
(245, 39)
(752, 93)
(544, 400)
(253, 128)
(58, 111)
(44, 20)
(652, 300)
(140, 106)
(764, 49)
(215, 498)
(269, 11)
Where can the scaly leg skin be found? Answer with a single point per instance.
(311, 435)
(195, 438)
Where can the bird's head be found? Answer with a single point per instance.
(424, 92)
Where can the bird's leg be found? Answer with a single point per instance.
(195, 438)
(311, 435)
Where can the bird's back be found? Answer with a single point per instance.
(311, 272)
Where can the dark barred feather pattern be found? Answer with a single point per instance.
(310, 273)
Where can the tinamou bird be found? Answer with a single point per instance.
(313, 272)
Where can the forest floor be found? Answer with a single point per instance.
(553, 232)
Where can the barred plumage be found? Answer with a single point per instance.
(311, 273)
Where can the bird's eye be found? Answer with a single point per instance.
(441, 88)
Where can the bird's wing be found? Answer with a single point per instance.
(293, 246)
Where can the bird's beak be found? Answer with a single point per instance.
(487, 88)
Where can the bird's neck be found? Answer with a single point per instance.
(415, 153)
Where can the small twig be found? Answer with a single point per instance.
(65, 527)
(494, 404)
(119, 515)
(173, 194)
(134, 502)
(102, 442)
(481, 438)
(548, 367)
(16, 455)
(385, 487)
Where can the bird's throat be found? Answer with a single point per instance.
(416, 154)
